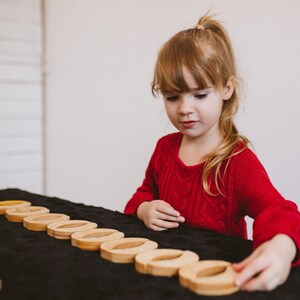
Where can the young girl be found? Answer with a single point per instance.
(205, 175)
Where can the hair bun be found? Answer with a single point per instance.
(200, 27)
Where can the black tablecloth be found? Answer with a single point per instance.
(36, 266)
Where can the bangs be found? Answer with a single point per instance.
(181, 51)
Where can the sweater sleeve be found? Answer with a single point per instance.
(146, 192)
(259, 199)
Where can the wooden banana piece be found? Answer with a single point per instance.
(125, 250)
(93, 238)
(164, 262)
(64, 229)
(209, 277)
(7, 204)
(17, 214)
(40, 222)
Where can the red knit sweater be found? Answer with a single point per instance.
(247, 191)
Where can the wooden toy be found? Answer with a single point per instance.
(64, 229)
(17, 214)
(92, 239)
(7, 204)
(209, 277)
(164, 262)
(125, 250)
(40, 222)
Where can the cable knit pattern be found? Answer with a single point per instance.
(247, 190)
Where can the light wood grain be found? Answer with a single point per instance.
(209, 277)
(125, 250)
(17, 214)
(40, 222)
(164, 262)
(64, 229)
(92, 239)
(7, 204)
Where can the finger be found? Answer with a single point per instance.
(166, 217)
(168, 211)
(181, 219)
(165, 224)
(242, 264)
(157, 228)
(265, 281)
(254, 267)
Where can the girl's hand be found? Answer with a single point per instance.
(159, 215)
(268, 266)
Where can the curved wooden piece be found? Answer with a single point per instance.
(125, 250)
(209, 277)
(40, 222)
(164, 262)
(92, 239)
(17, 214)
(7, 204)
(64, 229)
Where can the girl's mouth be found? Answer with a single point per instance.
(188, 124)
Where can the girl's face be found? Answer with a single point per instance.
(196, 114)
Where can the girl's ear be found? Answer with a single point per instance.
(229, 88)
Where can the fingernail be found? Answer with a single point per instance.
(238, 282)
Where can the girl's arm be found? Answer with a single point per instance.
(258, 198)
(146, 192)
(156, 214)
(276, 227)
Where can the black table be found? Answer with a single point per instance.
(36, 266)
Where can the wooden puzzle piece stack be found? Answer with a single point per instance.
(204, 277)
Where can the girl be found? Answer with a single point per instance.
(205, 175)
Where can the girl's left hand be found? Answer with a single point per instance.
(268, 266)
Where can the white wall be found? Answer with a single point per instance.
(102, 121)
(21, 101)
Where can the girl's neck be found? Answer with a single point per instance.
(192, 151)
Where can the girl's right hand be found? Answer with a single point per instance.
(159, 215)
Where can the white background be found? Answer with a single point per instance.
(102, 122)
(21, 95)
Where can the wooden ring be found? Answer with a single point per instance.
(92, 239)
(4, 205)
(64, 229)
(17, 214)
(164, 262)
(125, 250)
(40, 222)
(209, 277)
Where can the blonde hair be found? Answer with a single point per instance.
(207, 53)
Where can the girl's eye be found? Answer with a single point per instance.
(201, 96)
(171, 98)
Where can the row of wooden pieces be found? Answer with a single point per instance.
(207, 277)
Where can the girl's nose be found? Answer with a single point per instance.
(186, 107)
